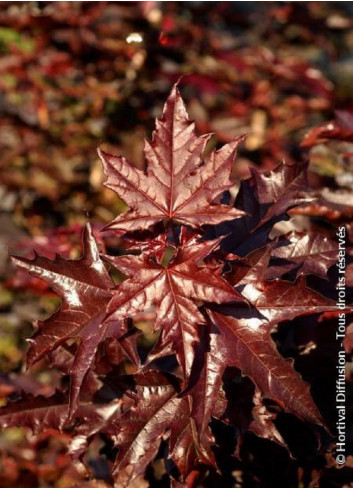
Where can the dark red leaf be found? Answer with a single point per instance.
(86, 289)
(308, 253)
(174, 290)
(157, 413)
(262, 424)
(36, 412)
(178, 184)
(244, 337)
(214, 308)
(265, 197)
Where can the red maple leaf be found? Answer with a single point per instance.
(86, 289)
(174, 289)
(179, 185)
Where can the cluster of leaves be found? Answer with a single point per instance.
(218, 276)
(69, 76)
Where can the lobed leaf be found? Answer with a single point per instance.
(86, 290)
(178, 184)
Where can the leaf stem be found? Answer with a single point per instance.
(174, 233)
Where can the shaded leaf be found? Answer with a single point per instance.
(340, 129)
(157, 413)
(309, 253)
(265, 197)
(262, 424)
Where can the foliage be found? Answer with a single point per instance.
(74, 74)
(221, 282)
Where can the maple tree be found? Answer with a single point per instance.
(219, 282)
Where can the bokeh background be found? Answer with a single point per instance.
(75, 75)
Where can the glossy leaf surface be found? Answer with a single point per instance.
(308, 253)
(85, 287)
(174, 290)
(215, 304)
(178, 184)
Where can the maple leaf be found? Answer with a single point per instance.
(148, 410)
(265, 197)
(308, 253)
(173, 289)
(157, 412)
(241, 337)
(277, 300)
(86, 289)
(246, 340)
(208, 400)
(40, 413)
(36, 412)
(178, 184)
(255, 354)
(138, 434)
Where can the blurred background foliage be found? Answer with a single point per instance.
(75, 75)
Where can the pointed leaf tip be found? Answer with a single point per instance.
(177, 185)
